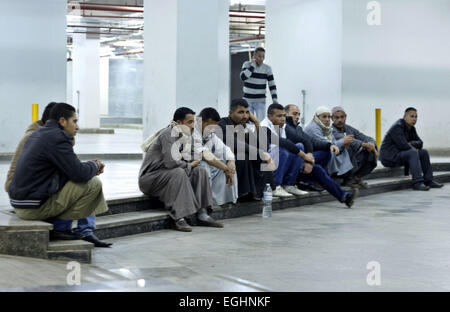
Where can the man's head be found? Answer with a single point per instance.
(46, 113)
(339, 116)
(210, 118)
(239, 111)
(259, 55)
(66, 116)
(186, 117)
(410, 116)
(293, 111)
(276, 114)
(324, 115)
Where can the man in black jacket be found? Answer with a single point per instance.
(402, 146)
(294, 159)
(50, 183)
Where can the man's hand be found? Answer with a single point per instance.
(348, 139)
(307, 168)
(195, 163)
(229, 178)
(100, 165)
(309, 158)
(253, 119)
(370, 147)
(266, 158)
(232, 166)
(334, 149)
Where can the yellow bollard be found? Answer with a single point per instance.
(35, 112)
(378, 126)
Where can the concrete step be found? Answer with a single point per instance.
(77, 250)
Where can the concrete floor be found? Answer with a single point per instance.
(322, 247)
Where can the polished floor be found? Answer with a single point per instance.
(321, 247)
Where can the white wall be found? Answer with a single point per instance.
(32, 63)
(104, 85)
(183, 65)
(304, 49)
(403, 62)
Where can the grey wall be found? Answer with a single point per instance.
(125, 88)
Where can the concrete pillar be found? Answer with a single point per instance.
(186, 61)
(104, 85)
(304, 48)
(32, 63)
(86, 80)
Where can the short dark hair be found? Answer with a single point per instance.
(273, 107)
(258, 49)
(288, 107)
(61, 110)
(238, 102)
(410, 109)
(209, 113)
(46, 113)
(180, 113)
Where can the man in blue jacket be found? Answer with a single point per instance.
(402, 147)
(50, 182)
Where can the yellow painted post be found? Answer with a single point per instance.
(35, 112)
(378, 126)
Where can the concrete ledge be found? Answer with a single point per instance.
(96, 131)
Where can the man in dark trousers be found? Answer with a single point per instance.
(251, 161)
(362, 148)
(292, 149)
(402, 147)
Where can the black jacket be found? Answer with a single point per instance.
(399, 138)
(285, 143)
(45, 165)
(311, 144)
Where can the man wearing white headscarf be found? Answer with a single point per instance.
(320, 128)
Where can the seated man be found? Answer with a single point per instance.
(50, 183)
(320, 128)
(362, 148)
(321, 149)
(309, 171)
(169, 173)
(85, 226)
(218, 159)
(288, 157)
(402, 147)
(251, 162)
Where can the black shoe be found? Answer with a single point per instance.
(91, 238)
(350, 198)
(420, 187)
(182, 225)
(434, 184)
(210, 222)
(63, 235)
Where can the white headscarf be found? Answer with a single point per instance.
(327, 131)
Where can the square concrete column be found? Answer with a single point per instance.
(32, 63)
(86, 80)
(304, 48)
(186, 60)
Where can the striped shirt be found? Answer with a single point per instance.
(255, 79)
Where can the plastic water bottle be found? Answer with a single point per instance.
(267, 198)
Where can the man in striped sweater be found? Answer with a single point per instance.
(255, 75)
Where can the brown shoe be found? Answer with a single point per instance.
(181, 225)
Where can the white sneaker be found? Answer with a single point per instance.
(280, 192)
(294, 190)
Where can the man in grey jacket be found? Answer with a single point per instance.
(362, 148)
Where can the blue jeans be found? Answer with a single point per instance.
(288, 165)
(85, 227)
(258, 109)
(322, 158)
(319, 175)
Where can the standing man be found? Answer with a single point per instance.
(362, 148)
(402, 147)
(256, 75)
(50, 183)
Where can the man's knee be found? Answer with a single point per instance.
(199, 170)
(95, 184)
(423, 153)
